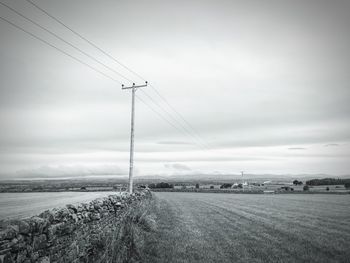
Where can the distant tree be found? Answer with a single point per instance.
(240, 185)
(152, 186)
(327, 188)
(306, 188)
(226, 185)
(197, 186)
(161, 185)
(83, 188)
(292, 189)
(347, 185)
(212, 187)
(296, 182)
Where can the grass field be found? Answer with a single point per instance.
(204, 227)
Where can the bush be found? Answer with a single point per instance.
(327, 188)
(347, 185)
(212, 187)
(306, 188)
(197, 186)
(296, 182)
(225, 186)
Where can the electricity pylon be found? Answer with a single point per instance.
(131, 167)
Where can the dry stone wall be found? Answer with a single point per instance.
(81, 233)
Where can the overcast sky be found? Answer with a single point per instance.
(264, 83)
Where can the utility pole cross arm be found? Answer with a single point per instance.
(135, 86)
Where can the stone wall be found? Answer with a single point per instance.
(82, 233)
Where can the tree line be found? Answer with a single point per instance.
(329, 181)
(161, 185)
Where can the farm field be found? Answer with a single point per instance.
(205, 227)
(19, 205)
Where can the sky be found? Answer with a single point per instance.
(263, 84)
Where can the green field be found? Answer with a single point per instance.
(205, 227)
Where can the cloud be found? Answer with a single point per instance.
(296, 148)
(69, 171)
(331, 145)
(175, 143)
(264, 65)
(178, 166)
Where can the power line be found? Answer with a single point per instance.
(156, 112)
(177, 113)
(165, 119)
(111, 69)
(162, 116)
(180, 116)
(58, 49)
(84, 63)
(63, 40)
(174, 119)
(84, 38)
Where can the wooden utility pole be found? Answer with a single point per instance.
(131, 167)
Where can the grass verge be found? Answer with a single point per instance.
(137, 226)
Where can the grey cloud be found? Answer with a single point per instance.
(244, 74)
(331, 145)
(178, 166)
(70, 171)
(175, 143)
(296, 148)
(206, 159)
